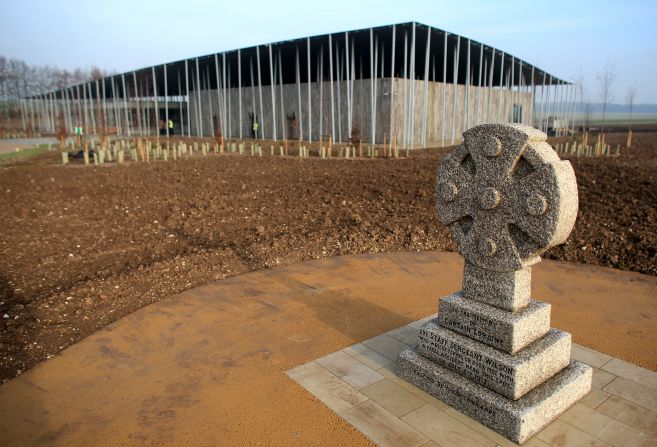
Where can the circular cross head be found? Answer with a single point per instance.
(506, 196)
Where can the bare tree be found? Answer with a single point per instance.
(606, 79)
(584, 104)
(629, 99)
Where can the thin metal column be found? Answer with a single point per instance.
(260, 119)
(411, 119)
(117, 122)
(189, 118)
(348, 83)
(280, 88)
(253, 106)
(481, 62)
(156, 107)
(466, 96)
(125, 104)
(331, 80)
(310, 116)
(490, 85)
(456, 77)
(405, 126)
(513, 83)
(533, 99)
(298, 75)
(320, 75)
(199, 108)
(239, 89)
(499, 104)
(224, 97)
(426, 88)
(273, 98)
(166, 101)
(443, 91)
(392, 85)
(372, 84)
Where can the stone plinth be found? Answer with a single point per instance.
(509, 375)
(507, 331)
(518, 420)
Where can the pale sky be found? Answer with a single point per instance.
(562, 37)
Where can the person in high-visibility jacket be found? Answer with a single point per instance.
(170, 127)
(255, 129)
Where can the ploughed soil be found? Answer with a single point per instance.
(83, 246)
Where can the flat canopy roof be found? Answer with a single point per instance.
(360, 54)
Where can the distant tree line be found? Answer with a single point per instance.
(18, 80)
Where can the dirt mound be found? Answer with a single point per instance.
(83, 246)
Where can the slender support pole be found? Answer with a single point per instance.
(411, 119)
(224, 96)
(156, 106)
(253, 104)
(490, 85)
(392, 85)
(260, 119)
(405, 126)
(320, 75)
(481, 62)
(137, 102)
(125, 104)
(207, 92)
(220, 112)
(533, 100)
(189, 119)
(338, 67)
(372, 84)
(86, 114)
(520, 91)
(349, 85)
(352, 64)
(543, 92)
(513, 83)
(92, 109)
(466, 96)
(572, 120)
(553, 97)
(117, 122)
(499, 104)
(456, 80)
(273, 98)
(426, 88)
(199, 118)
(280, 89)
(239, 89)
(166, 101)
(229, 102)
(298, 76)
(310, 115)
(376, 75)
(331, 89)
(443, 92)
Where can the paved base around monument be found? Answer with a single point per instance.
(208, 366)
(362, 384)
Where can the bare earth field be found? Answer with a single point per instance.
(83, 246)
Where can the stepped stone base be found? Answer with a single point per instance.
(509, 375)
(517, 420)
(508, 331)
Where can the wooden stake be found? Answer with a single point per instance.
(629, 139)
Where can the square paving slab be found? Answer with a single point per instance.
(360, 384)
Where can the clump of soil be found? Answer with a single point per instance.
(83, 246)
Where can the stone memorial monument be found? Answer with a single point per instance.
(506, 197)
